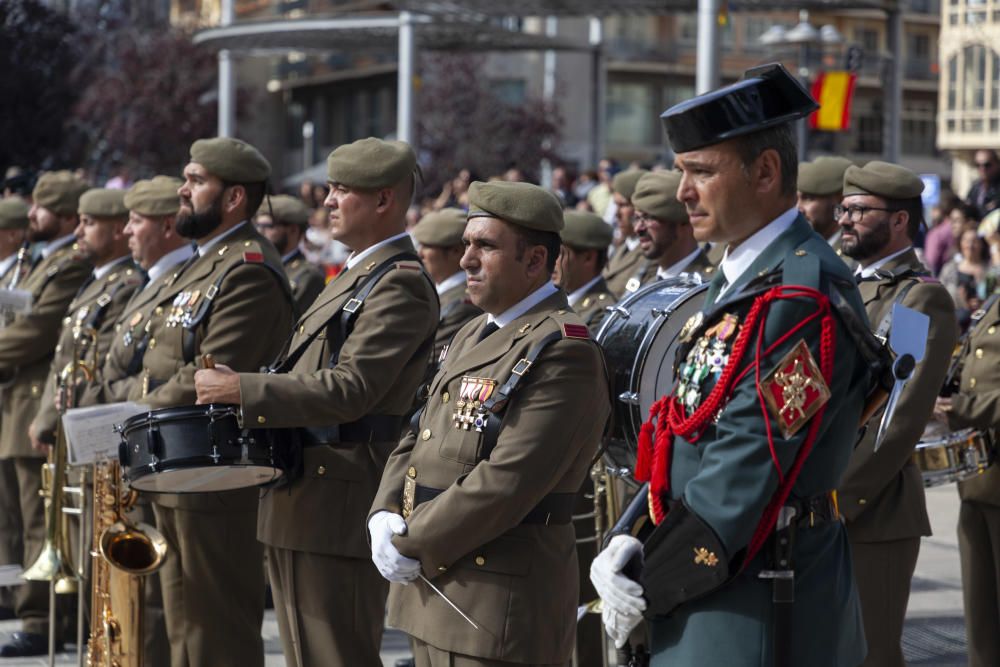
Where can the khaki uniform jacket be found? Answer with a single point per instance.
(621, 266)
(108, 295)
(977, 403)
(456, 310)
(381, 364)
(27, 344)
(305, 278)
(250, 318)
(882, 493)
(519, 582)
(121, 373)
(593, 306)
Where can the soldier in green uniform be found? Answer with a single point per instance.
(626, 260)
(89, 325)
(821, 184)
(976, 405)
(347, 397)
(665, 235)
(13, 230)
(440, 237)
(882, 493)
(478, 497)
(743, 456)
(585, 240)
(283, 221)
(27, 346)
(231, 300)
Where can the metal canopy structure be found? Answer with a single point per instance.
(566, 8)
(373, 33)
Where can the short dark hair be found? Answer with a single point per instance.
(254, 194)
(551, 241)
(914, 206)
(779, 138)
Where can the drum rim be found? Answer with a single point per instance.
(175, 413)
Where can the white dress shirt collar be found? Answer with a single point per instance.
(168, 261)
(450, 282)
(356, 257)
(677, 268)
(632, 243)
(105, 269)
(524, 305)
(736, 261)
(869, 271)
(52, 246)
(577, 295)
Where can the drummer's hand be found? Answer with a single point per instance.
(942, 406)
(218, 385)
(37, 444)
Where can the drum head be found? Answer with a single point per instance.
(206, 479)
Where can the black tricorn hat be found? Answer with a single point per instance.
(766, 96)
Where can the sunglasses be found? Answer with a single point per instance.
(984, 165)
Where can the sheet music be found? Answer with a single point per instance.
(10, 575)
(16, 301)
(91, 433)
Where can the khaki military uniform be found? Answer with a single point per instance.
(474, 540)
(593, 306)
(214, 602)
(97, 305)
(882, 493)
(26, 351)
(456, 310)
(305, 278)
(978, 405)
(329, 597)
(621, 266)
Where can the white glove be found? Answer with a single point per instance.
(622, 603)
(393, 565)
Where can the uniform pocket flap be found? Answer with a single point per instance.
(504, 555)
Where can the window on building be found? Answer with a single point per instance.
(631, 114)
(868, 39)
(974, 72)
(919, 127)
(687, 28)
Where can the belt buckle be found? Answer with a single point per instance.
(352, 305)
(521, 367)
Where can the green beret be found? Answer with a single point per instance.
(59, 191)
(521, 204)
(823, 176)
(232, 160)
(156, 196)
(586, 230)
(103, 203)
(370, 164)
(13, 214)
(442, 228)
(883, 179)
(286, 209)
(624, 182)
(656, 195)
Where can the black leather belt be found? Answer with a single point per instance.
(370, 428)
(819, 509)
(554, 509)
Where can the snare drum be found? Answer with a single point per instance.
(953, 457)
(194, 449)
(640, 336)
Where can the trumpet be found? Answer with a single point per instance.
(123, 554)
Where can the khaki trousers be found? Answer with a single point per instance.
(31, 601)
(979, 546)
(213, 587)
(330, 609)
(156, 646)
(425, 655)
(882, 572)
(10, 526)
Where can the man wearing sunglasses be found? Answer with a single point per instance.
(984, 194)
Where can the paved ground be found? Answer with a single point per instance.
(934, 634)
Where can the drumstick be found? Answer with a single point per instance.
(207, 361)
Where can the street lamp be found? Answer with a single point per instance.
(802, 35)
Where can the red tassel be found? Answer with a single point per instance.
(644, 456)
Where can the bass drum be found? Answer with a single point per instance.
(640, 336)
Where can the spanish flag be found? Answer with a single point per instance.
(833, 91)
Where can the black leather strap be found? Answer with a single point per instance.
(554, 509)
(370, 428)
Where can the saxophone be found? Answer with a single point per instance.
(123, 554)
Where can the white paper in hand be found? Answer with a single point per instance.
(91, 433)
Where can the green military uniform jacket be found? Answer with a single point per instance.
(518, 581)
(97, 305)
(593, 306)
(380, 366)
(456, 310)
(305, 278)
(121, 373)
(251, 316)
(882, 493)
(728, 476)
(977, 403)
(27, 344)
(621, 266)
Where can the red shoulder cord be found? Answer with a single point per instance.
(656, 437)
